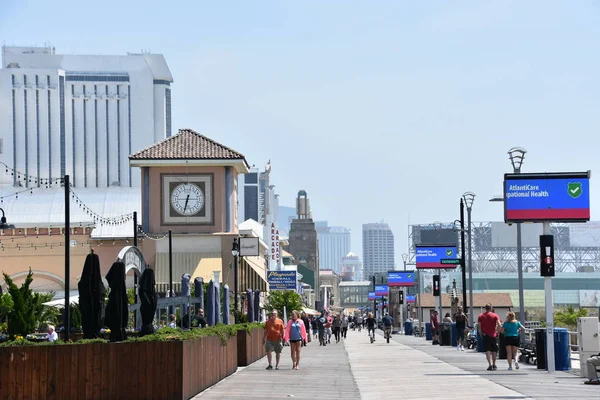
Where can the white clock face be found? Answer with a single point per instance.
(187, 199)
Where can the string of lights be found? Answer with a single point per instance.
(56, 245)
(152, 236)
(25, 179)
(16, 194)
(117, 220)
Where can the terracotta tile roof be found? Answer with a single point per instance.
(187, 145)
(479, 300)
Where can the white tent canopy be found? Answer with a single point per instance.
(59, 303)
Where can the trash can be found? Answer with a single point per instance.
(540, 348)
(428, 331)
(408, 328)
(502, 347)
(480, 346)
(453, 336)
(562, 350)
(445, 339)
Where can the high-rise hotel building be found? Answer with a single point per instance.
(378, 249)
(80, 115)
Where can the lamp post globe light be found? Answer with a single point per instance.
(404, 259)
(235, 252)
(517, 156)
(469, 198)
(3, 223)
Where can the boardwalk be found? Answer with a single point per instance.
(406, 368)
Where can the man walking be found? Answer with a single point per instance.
(345, 323)
(488, 325)
(434, 324)
(272, 340)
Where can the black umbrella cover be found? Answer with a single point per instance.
(116, 309)
(250, 302)
(148, 300)
(199, 292)
(257, 305)
(91, 297)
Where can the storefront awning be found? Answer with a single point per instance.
(200, 265)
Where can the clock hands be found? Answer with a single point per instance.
(186, 202)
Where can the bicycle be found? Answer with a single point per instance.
(387, 333)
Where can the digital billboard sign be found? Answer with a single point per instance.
(441, 256)
(401, 278)
(373, 297)
(411, 298)
(381, 290)
(557, 197)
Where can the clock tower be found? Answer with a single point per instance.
(189, 186)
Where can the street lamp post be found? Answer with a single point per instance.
(3, 223)
(469, 197)
(235, 252)
(462, 253)
(404, 259)
(516, 156)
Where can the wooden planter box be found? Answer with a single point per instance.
(147, 370)
(250, 346)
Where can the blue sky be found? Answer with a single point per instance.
(379, 110)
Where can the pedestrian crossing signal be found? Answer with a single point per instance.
(401, 297)
(436, 285)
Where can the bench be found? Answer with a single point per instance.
(528, 353)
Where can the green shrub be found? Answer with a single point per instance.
(223, 332)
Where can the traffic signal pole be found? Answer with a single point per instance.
(547, 268)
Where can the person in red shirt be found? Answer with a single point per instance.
(488, 325)
(434, 323)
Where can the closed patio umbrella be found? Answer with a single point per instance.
(199, 292)
(226, 304)
(91, 297)
(210, 304)
(116, 309)
(148, 300)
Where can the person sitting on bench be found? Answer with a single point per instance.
(592, 363)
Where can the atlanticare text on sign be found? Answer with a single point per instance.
(432, 256)
(557, 197)
(401, 278)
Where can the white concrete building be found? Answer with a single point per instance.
(80, 115)
(378, 249)
(351, 267)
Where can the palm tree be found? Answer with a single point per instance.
(568, 317)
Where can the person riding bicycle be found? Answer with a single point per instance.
(387, 323)
(359, 322)
(371, 323)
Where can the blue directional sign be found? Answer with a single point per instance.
(401, 278)
(381, 290)
(560, 197)
(411, 298)
(282, 280)
(373, 297)
(437, 256)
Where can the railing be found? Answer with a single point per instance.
(573, 338)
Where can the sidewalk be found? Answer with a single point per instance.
(324, 374)
(406, 368)
(529, 381)
(395, 370)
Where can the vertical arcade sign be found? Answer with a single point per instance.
(274, 248)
